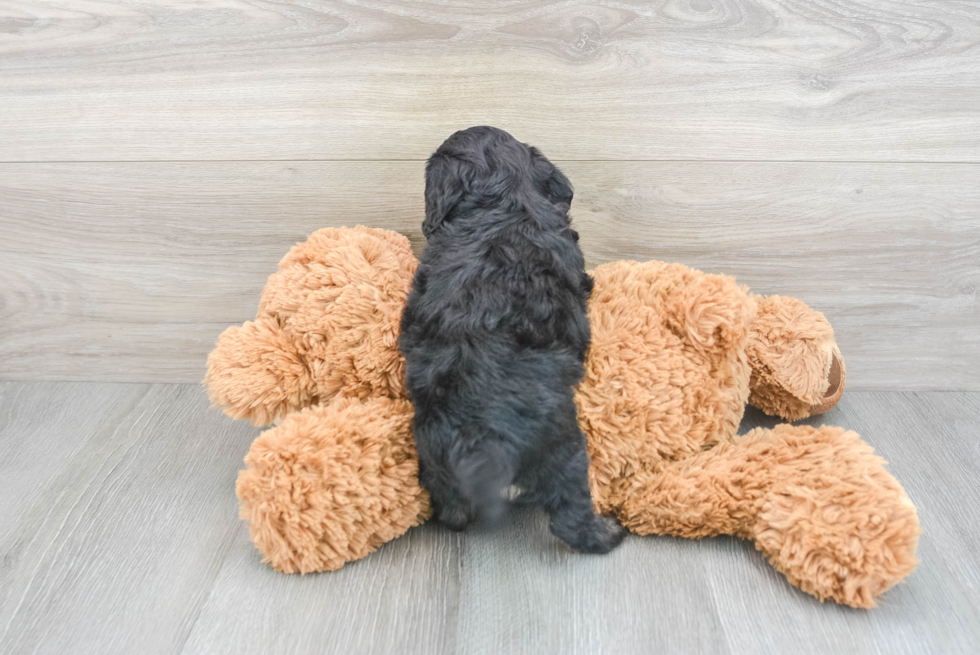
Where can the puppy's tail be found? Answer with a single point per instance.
(485, 471)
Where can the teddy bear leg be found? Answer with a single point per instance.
(835, 522)
(332, 484)
(817, 502)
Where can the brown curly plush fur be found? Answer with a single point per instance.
(327, 324)
(797, 370)
(816, 501)
(675, 355)
(666, 374)
(323, 489)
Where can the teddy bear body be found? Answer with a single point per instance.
(666, 375)
(675, 356)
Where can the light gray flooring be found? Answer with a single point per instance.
(119, 534)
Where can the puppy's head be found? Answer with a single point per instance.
(485, 167)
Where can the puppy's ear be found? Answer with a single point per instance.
(550, 181)
(445, 185)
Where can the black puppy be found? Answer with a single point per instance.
(495, 334)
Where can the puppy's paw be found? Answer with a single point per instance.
(606, 533)
(455, 517)
(599, 536)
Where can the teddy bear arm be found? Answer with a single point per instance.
(256, 373)
(797, 368)
(711, 312)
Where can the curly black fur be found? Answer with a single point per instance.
(495, 334)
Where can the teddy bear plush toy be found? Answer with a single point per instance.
(675, 356)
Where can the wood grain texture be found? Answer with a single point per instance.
(39, 440)
(129, 271)
(118, 511)
(878, 80)
(525, 592)
(403, 600)
(929, 440)
(120, 535)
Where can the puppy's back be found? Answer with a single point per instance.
(495, 329)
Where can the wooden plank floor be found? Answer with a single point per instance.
(119, 534)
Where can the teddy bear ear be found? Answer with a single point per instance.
(797, 368)
(256, 373)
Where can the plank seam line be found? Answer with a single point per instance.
(420, 161)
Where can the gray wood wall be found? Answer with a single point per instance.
(157, 159)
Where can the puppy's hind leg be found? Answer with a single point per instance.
(452, 508)
(565, 496)
(485, 470)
